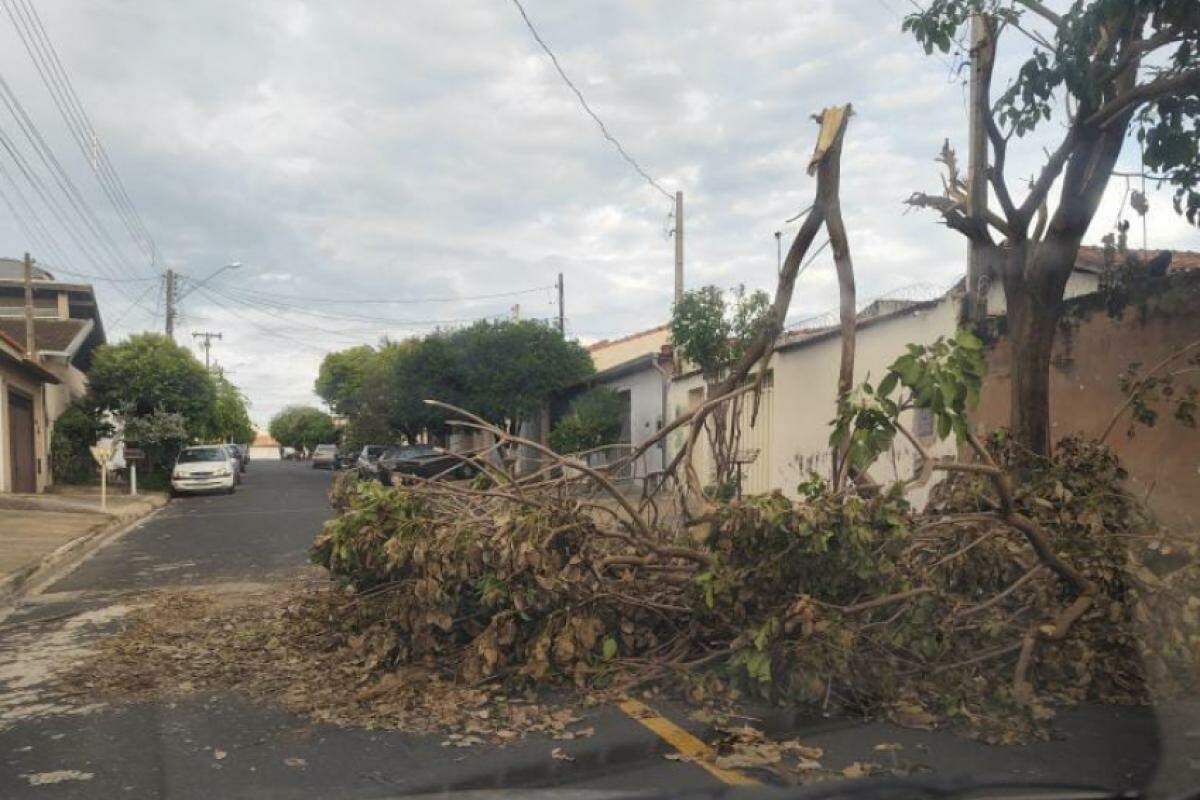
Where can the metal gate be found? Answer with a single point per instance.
(20, 436)
(756, 441)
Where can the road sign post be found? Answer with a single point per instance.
(103, 454)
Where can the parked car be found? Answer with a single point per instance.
(237, 463)
(243, 455)
(324, 456)
(420, 460)
(204, 468)
(367, 459)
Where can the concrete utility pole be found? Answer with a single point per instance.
(207, 337)
(562, 329)
(170, 303)
(983, 53)
(30, 339)
(678, 246)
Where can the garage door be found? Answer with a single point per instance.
(20, 437)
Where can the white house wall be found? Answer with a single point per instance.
(645, 389)
(797, 411)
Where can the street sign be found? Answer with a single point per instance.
(102, 454)
(134, 454)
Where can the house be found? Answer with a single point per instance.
(265, 448)
(790, 435)
(67, 331)
(24, 439)
(634, 367)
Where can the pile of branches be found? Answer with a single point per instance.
(1023, 584)
(842, 599)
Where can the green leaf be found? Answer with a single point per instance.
(609, 648)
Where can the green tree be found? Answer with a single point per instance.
(427, 369)
(149, 372)
(160, 435)
(76, 429)
(340, 379)
(593, 420)
(231, 420)
(1116, 67)
(302, 427)
(713, 331)
(507, 371)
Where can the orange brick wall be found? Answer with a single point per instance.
(1089, 355)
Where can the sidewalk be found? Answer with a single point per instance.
(39, 531)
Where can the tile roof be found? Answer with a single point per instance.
(50, 335)
(1091, 259)
(603, 343)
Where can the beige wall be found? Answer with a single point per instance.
(10, 378)
(609, 354)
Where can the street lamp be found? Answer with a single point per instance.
(197, 284)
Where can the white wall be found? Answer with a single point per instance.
(645, 418)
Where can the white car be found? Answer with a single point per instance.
(204, 468)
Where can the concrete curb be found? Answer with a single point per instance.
(64, 558)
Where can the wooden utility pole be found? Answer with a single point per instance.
(207, 337)
(562, 329)
(983, 54)
(170, 303)
(678, 246)
(30, 339)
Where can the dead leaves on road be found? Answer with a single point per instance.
(187, 642)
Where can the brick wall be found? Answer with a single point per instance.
(1091, 351)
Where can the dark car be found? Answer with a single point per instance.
(420, 460)
(368, 459)
(242, 453)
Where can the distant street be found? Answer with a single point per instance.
(224, 746)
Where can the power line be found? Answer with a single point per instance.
(406, 301)
(136, 304)
(45, 59)
(599, 122)
(56, 210)
(253, 300)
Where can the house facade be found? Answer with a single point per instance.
(637, 368)
(67, 330)
(787, 437)
(24, 419)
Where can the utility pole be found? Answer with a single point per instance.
(983, 54)
(170, 304)
(562, 329)
(30, 340)
(207, 337)
(678, 246)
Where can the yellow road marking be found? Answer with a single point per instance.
(701, 754)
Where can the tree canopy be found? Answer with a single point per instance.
(1106, 67)
(503, 371)
(340, 379)
(302, 427)
(712, 330)
(149, 372)
(231, 420)
(593, 420)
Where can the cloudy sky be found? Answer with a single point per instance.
(373, 164)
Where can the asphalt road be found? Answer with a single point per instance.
(169, 750)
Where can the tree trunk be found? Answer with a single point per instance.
(1031, 337)
(1034, 283)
